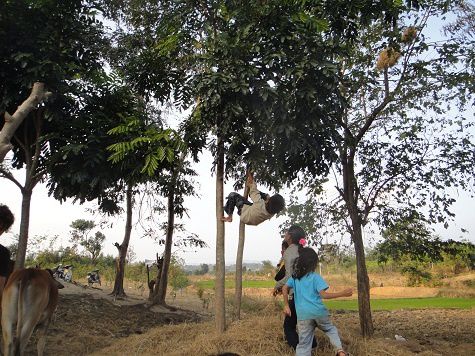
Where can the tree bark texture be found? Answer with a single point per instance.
(161, 291)
(154, 283)
(350, 192)
(12, 122)
(24, 227)
(118, 290)
(32, 150)
(239, 256)
(220, 312)
(364, 307)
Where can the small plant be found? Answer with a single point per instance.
(200, 292)
(469, 283)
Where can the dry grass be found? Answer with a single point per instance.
(260, 333)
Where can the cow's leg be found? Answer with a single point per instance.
(9, 317)
(31, 317)
(41, 331)
(7, 332)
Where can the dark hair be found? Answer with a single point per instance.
(275, 204)
(305, 263)
(285, 244)
(296, 234)
(6, 217)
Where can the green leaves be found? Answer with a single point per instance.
(157, 146)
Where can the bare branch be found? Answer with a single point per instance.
(37, 96)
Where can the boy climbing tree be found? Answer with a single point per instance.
(263, 207)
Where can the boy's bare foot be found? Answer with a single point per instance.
(227, 218)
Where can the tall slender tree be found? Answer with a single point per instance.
(405, 146)
(61, 47)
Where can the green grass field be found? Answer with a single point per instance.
(376, 304)
(405, 303)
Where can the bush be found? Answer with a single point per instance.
(416, 276)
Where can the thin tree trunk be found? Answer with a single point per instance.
(161, 291)
(364, 307)
(118, 290)
(351, 196)
(24, 228)
(220, 312)
(239, 256)
(31, 148)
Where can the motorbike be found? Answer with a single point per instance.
(93, 277)
(63, 272)
(58, 271)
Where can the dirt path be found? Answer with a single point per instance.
(88, 320)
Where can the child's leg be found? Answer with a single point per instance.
(306, 333)
(233, 200)
(331, 331)
(290, 325)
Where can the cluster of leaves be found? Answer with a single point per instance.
(413, 241)
(56, 42)
(252, 70)
(80, 235)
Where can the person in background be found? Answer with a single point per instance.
(281, 265)
(6, 221)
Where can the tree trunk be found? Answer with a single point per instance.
(12, 122)
(24, 228)
(161, 290)
(239, 256)
(220, 312)
(351, 195)
(118, 290)
(364, 307)
(31, 147)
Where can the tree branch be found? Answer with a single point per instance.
(7, 175)
(37, 96)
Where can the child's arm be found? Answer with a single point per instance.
(285, 293)
(250, 178)
(344, 293)
(254, 194)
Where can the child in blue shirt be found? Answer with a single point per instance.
(309, 288)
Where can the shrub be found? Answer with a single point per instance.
(416, 276)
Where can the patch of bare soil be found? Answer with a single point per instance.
(426, 332)
(88, 320)
(407, 292)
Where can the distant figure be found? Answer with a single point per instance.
(281, 265)
(309, 289)
(6, 221)
(263, 207)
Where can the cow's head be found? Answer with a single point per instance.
(56, 283)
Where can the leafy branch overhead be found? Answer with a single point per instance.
(149, 144)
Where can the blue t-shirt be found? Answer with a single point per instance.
(308, 302)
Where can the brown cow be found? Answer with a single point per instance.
(29, 300)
